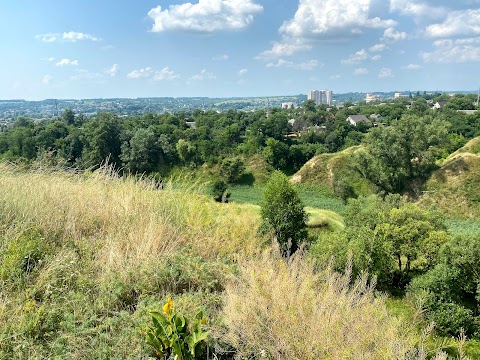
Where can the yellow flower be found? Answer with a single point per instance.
(203, 321)
(167, 308)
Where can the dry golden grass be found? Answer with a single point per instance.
(128, 223)
(284, 310)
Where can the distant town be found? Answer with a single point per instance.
(51, 108)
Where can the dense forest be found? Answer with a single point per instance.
(391, 225)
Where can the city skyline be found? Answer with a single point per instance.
(234, 48)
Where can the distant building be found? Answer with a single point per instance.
(320, 96)
(355, 119)
(288, 105)
(371, 98)
(399, 95)
(439, 104)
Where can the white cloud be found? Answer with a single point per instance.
(457, 23)
(418, 9)
(205, 16)
(308, 65)
(281, 49)
(385, 73)
(140, 73)
(335, 77)
(242, 72)
(66, 62)
(51, 59)
(453, 51)
(332, 19)
(411, 67)
(113, 71)
(70, 36)
(204, 75)
(391, 35)
(361, 71)
(377, 47)
(149, 73)
(47, 79)
(356, 58)
(222, 57)
(376, 57)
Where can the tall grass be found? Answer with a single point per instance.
(285, 310)
(131, 224)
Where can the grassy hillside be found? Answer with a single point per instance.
(84, 257)
(325, 169)
(455, 187)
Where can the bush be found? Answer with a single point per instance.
(219, 191)
(232, 169)
(282, 213)
(279, 309)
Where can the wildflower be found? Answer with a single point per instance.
(167, 308)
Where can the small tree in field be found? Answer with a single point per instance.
(283, 214)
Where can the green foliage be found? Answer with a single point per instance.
(231, 169)
(22, 256)
(283, 213)
(387, 238)
(399, 154)
(276, 153)
(171, 333)
(219, 191)
(142, 153)
(449, 291)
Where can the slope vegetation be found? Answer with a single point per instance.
(326, 169)
(455, 187)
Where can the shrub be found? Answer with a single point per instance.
(232, 169)
(282, 213)
(283, 309)
(219, 191)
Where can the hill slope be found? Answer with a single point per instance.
(325, 169)
(455, 187)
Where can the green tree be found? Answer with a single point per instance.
(283, 213)
(276, 153)
(142, 153)
(231, 169)
(186, 151)
(68, 116)
(101, 138)
(398, 155)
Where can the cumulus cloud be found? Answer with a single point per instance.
(385, 73)
(70, 36)
(418, 9)
(411, 67)
(453, 51)
(140, 73)
(457, 23)
(308, 65)
(204, 75)
(332, 19)
(356, 58)
(113, 71)
(67, 62)
(361, 71)
(205, 16)
(377, 47)
(242, 72)
(164, 74)
(282, 49)
(376, 58)
(391, 35)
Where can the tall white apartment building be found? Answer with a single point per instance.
(320, 96)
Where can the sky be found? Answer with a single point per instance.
(228, 48)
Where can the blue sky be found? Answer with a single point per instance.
(224, 48)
